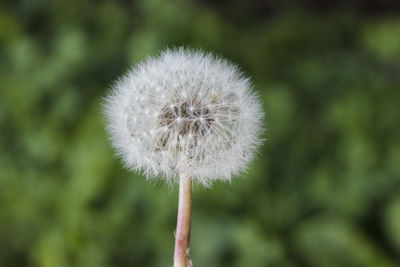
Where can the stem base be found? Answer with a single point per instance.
(182, 236)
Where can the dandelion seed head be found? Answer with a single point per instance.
(184, 112)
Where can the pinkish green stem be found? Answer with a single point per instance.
(182, 236)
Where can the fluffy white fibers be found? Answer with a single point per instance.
(184, 112)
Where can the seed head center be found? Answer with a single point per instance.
(188, 119)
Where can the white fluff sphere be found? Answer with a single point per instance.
(184, 112)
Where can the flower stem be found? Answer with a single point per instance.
(182, 236)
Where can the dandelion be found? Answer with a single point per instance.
(181, 117)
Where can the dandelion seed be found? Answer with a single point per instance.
(216, 99)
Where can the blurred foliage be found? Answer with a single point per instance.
(324, 190)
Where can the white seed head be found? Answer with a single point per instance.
(208, 120)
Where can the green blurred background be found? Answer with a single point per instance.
(324, 190)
